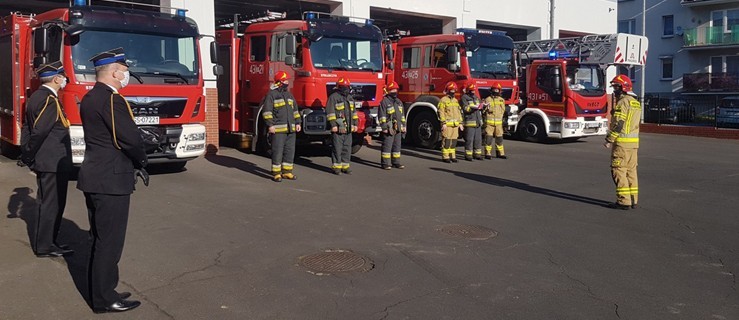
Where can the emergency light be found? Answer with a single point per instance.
(310, 16)
(80, 3)
(180, 12)
(552, 55)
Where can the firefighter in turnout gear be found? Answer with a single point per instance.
(393, 126)
(495, 113)
(450, 116)
(472, 107)
(342, 117)
(623, 140)
(282, 118)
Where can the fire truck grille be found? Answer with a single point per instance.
(485, 92)
(163, 107)
(361, 92)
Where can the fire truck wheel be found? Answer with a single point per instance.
(425, 130)
(264, 145)
(532, 129)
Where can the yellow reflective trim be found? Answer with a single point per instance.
(627, 140)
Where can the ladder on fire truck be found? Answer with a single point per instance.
(246, 19)
(616, 48)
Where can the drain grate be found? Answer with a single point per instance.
(471, 232)
(335, 261)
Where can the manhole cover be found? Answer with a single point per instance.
(335, 261)
(471, 232)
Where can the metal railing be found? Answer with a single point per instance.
(711, 36)
(720, 111)
(716, 82)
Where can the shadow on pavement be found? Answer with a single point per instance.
(22, 205)
(246, 166)
(498, 182)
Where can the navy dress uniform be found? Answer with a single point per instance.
(282, 115)
(392, 121)
(114, 155)
(47, 151)
(343, 118)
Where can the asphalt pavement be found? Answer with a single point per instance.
(222, 241)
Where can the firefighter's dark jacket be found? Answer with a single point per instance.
(472, 115)
(280, 110)
(341, 111)
(114, 146)
(391, 114)
(45, 141)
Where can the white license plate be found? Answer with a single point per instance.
(592, 125)
(146, 120)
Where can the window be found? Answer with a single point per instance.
(666, 68)
(725, 64)
(628, 70)
(717, 64)
(728, 19)
(668, 26)
(427, 57)
(277, 49)
(258, 50)
(411, 58)
(627, 26)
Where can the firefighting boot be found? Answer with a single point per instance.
(454, 160)
(618, 206)
(386, 167)
(346, 171)
(488, 156)
(337, 172)
(399, 166)
(277, 178)
(502, 156)
(289, 176)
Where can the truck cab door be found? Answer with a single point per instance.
(227, 45)
(408, 72)
(255, 76)
(439, 74)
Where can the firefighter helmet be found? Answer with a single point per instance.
(450, 86)
(624, 81)
(496, 88)
(470, 87)
(391, 86)
(281, 76)
(343, 82)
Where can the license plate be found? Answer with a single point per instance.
(592, 125)
(146, 120)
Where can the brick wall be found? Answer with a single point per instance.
(708, 132)
(211, 120)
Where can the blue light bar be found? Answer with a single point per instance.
(180, 12)
(553, 54)
(310, 16)
(80, 3)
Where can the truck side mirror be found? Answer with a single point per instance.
(290, 60)
(218, 70)
(556, 80)
(290, 44)
(389, 53)
(452, 53)
(391, 65)
(213, 52)
(74, 30)
(40, 41)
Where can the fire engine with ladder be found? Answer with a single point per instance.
(563, 83)
(166, 89)
(315, 52)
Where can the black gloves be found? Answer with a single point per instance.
(141, 173)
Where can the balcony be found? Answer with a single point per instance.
(710, 82)
(697, 3)
(711, 37)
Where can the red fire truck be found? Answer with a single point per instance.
(564, 83)
(424, 64)
(315, 52)
(165, 92)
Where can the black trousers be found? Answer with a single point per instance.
(51, 198)
(341, 154)
(390, 149)
(108, 216)
(283, 152)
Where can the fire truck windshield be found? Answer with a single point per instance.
(491, 63)
(157, 59)
(585, 79)
(346, 54)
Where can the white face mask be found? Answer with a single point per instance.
(63, 84)
(126, 77)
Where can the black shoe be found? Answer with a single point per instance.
(478, 158)
(399, 166)
(120, 306)
(468, 158)
(446, 160)
(634, 206)
(337, 172)
(124, 295)
(503, 157)
(616, 205)
(386, 167)
(346, 171)
(54, 252)
(489, 157)
(62, 246)
(455, 160)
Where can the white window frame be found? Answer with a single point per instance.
(725, 19)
